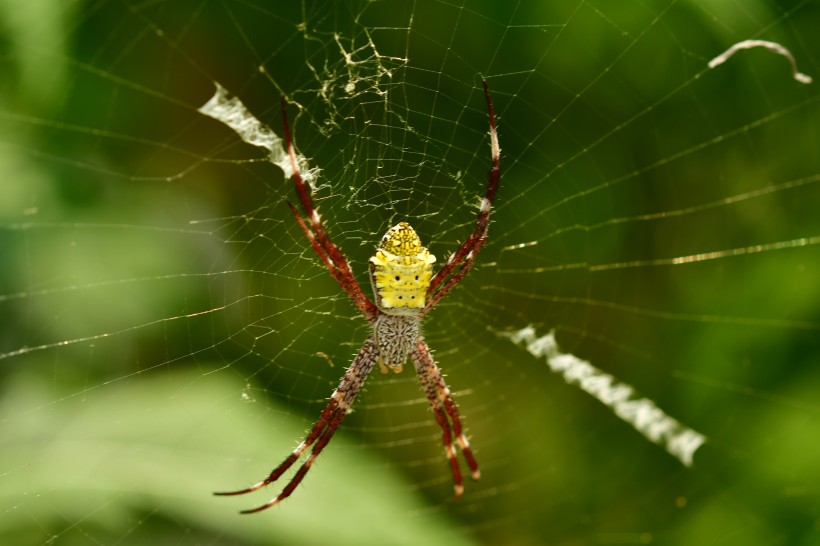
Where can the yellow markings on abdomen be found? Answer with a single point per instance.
(400, 271)
(400, 282)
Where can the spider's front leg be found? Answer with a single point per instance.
(328, 252)
(340, 403)
(460, 261)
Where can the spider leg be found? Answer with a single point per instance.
(441, 401)
(328, 252)
(337, 275)
(339, 405)
(459, 263)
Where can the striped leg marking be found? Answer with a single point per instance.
(319, 436)
(446, 414)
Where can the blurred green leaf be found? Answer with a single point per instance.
(91, 464)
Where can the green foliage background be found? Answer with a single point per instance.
(161, 313)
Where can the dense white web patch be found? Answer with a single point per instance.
(229, 110)
(771, 46)
(642, 413)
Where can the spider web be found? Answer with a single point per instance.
(167, 330)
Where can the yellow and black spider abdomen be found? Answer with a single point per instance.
(400, 271)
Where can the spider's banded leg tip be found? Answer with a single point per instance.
(476, 474)
(459, 490)
(239, 492)
(259, 508)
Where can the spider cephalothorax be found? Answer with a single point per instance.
(400, 273)
(405, 289)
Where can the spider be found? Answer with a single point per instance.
(405, 289)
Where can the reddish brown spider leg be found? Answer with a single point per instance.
(325, 418)
(443, 406)
(331, 256)
(452, 411)
(337, 275)
(324, 439)
(446, 397)
(464, 256)
(340, 402)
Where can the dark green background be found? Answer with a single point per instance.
(162, 313)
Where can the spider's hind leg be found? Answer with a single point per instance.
(444, 407)
(340, 403)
